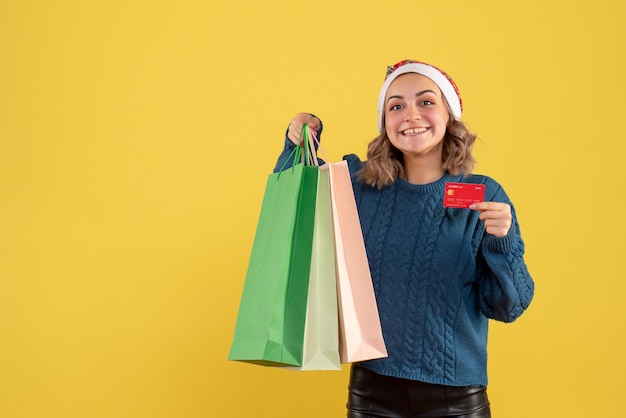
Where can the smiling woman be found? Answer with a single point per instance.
(135, 139)
(437, 272)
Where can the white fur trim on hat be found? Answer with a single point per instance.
(445, 85)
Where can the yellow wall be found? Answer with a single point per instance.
(135, 139)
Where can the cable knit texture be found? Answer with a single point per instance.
(438, 278)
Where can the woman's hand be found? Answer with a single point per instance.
(496, 216)
(295, 126)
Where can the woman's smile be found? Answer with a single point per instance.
(414, 131)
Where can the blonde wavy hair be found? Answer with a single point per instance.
(385, 162)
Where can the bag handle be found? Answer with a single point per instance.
(310, 154)
(305, 153)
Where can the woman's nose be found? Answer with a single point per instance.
(412, 113)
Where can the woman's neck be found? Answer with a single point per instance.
(419, 170)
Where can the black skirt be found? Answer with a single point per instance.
(374, 395)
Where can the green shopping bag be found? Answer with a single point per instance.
(321, 332)
(272, 312)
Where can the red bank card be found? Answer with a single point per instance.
(461, 195)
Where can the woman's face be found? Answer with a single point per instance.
(416, 115)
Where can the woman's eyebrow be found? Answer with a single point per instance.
(395, 97)
(418, 94)
(424, 92)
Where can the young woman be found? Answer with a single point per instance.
(439, 273)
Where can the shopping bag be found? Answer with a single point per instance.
(360, 333)
(272, 312)
(321, 332)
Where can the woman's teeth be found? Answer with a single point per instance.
(412, 131)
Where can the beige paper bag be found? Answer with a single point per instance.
(360, 333)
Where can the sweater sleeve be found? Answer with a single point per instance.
(283, 161)
(505, 285)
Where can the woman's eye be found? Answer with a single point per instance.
(427, 103)
(395, 107)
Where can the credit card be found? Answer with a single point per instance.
(461, 195)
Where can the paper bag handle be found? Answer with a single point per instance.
(306, 153)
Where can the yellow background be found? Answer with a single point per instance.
(135, 140)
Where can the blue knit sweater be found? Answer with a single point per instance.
(438, 277)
